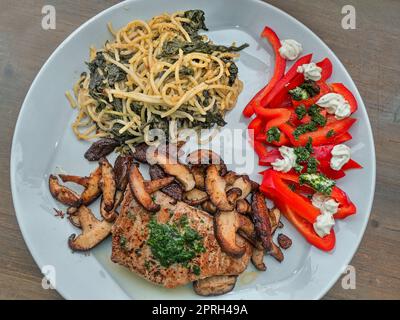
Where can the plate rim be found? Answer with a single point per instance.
(29, 244)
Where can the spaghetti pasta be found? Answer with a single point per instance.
(160, 74)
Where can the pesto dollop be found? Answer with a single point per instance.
(175, 243)
(318, 182)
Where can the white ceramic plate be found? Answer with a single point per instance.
(43, 141)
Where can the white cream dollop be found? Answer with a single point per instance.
(288, 161)
(328, 207)
(341, 154)
(311, 71)
(335, 104)
(323, 225)
(290, 49)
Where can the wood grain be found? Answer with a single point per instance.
(370, 54)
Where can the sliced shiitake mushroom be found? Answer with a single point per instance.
(107, 183)
(91, 184)
(136, 183)
(226, 224)
(244, 184)
(232, 195)
(284, 241)
(214, 286)
(215, 187)
(63, 194)
(174, 190)
(101, 148)
(175, 169)
(195, 197)
(276, 252)
(260, 218)
(121, 170)
(73, 216)
(199, 174)
(206, 157)
(155, 185)
(230, 178)
(140, 152)
(243, 206)
(93, 231)
(111, 215)
(274, 219)
(209, 207)
(246, 230)
(257, 258)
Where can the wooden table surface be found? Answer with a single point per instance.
(370, 53)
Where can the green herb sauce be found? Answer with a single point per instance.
(174, 242)
(273, 134)
(318, 182)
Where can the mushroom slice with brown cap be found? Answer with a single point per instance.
(244, 184)
(136, 183)
(91, 184)
(246, 230)
(232, 195)
(206, 157)
(214, 286)
(199, 174)
(209, 207)
(174, 190)
(63, 194)
(73, 216)
(215, 187)
(107, 184)
(93, 231)
(260, 218)
(122, 165)
(226, 224)
(175, 169)
(243, 206)
(274, 219)
(111, 215)
(155, 185)
(276, 252)
(257, 258)
(195, 197)
(140, 152)
(230, 177)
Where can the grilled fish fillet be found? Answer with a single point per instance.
(132, 226)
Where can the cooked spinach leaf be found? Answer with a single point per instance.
(171, 48)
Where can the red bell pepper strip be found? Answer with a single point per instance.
(340, 88)
(306, 228)
(261, 150)
(270, 156)
(280, 88)
(273, 185)
(263, 137)
(318, 137)
(322, 153)
(292, 205)
(257, 124)
(275, 117)
(280, 67)
(346, 207)
(341, 138)
(327, 69)
(324, 89)
(352, 165)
